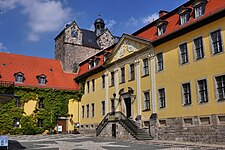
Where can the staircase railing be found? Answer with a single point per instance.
(102, 124)
(116, 116)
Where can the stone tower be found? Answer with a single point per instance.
(73, 44)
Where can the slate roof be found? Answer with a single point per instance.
(89, 39)
(31, 67)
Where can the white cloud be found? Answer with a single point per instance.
(2, 47)
(132, 21)
(43, 15)
(110, 24)
(150, 18)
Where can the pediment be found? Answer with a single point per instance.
(126, 46)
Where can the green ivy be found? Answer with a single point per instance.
(55, 105)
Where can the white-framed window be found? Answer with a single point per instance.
(162, 98)
(41, 103)
(40, 122)
(183, 53)
(91, 64)
(103, 107)
(93, 84)
(184, 17)
(159, 57)
(19, 77)
(41, 79)
(187, 121)
(198, 48)
(103, 81)
(87, 106)
(220, 87)
(146, 101)
(202, 91)
(132, 72)
(106, 55)
(83, 111)
(199, 10)
(16, 122)
(161, 29)
(204, 120)
(88, 86)
(216, 40)
(122, 77)
(186, 93)
(145, 67)
(112, 78)
(92, 109)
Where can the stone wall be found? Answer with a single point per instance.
(203, 129)
(121, 132)
(71, 54)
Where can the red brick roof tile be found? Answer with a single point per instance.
(31, 67)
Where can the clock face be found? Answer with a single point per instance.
(74, 33)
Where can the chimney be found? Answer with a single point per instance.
(162, 13)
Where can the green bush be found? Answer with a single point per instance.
(17, 131)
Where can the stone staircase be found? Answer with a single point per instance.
(135, 130)
(129, 125)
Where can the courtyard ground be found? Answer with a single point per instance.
(82, 142)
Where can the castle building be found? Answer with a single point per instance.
(166, 79)
(73, 44)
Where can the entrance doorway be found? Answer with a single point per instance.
(128, 107)
(113, 130)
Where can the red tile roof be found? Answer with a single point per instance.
(31, 67)
(150, 31)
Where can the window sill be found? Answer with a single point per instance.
(111, 85)
(131, 80)
(220, 100)
(145, 75)
(203, 102)
(145, 110)
(217, 53)
(186, 105)
(122, 82)
(162, 107)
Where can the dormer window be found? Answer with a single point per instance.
(19, 77)
(161, 26)
(93, 62)
(106, 55)
(41, 79)
(184, 14)
(199, 7)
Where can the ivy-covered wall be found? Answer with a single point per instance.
(55, 105)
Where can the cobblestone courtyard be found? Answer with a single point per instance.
(81, 142)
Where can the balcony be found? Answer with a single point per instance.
(6, 83)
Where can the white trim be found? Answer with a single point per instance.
(152, 80)
(106, 92)
(116, 81)
(138, 82)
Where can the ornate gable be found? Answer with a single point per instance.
(73, 34)
(126, 46)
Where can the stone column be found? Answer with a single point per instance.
(138, 94)
(107, 91)
(152, 80)
(116, 75)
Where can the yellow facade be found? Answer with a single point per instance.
(175, 74)
(131, 50)
(29, 107)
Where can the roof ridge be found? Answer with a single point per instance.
(21, 55)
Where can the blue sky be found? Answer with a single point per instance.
(28, 27)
